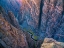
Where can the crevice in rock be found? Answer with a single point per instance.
(40, 14)
(63, 8)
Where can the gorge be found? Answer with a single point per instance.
(28, 23)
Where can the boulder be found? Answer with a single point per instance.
(51, 43)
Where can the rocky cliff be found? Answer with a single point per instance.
(29, 22)
(45, 17)
(10, 34)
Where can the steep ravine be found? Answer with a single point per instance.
(36, 20)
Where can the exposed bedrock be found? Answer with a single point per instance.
(11, 35)
(37, 18)
(45, 17)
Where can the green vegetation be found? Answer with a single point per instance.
(32, 33)
(29, 31)
(35, 37)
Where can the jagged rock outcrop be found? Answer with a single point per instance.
(45, 16)
(10, 34)
(51, 43)
(10, 18)
(54, 15)
(12, 21)
(30, 12)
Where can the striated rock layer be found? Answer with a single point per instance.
(38, 19)
(11, 37)
(44, 17)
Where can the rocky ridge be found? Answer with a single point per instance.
(10, 36)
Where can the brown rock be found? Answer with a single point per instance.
(12, 37)
(30, 41)
(13, 20)
(30, 8)
(51, 43)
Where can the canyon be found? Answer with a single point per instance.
(27, 23)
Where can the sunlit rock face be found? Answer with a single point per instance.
(10, 34)
(30, 13)
(43, 17)
(51, 43)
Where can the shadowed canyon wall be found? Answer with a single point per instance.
(43, 17)
(28, 23)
